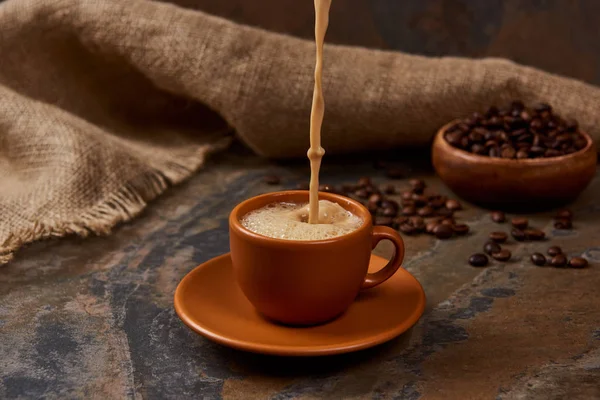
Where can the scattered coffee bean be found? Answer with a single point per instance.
(498, 237)
(430, 226)
(491, 248)
(518, 235)
(453, 205)
(425, 211)
(538, 259)
(389, 189)
(408, 229)
(554, 250)
(448, 221)
(362, 193)
(516, 133)
(558, 260)
(372, 207)
(443, 231)
(385, 221)
(520, 223)
(375, 198)
(408, 211)
(498, 216)
(578, 262)
(272, 180)
(394, 173)
(461, 229)
(418, 186)
(387, 203)
(389, 212)
(502, 255)
(534, 234)
(436, 202)
(564, 213)
(563, 223)
(399, 221)
(478, 260)
(407, 195)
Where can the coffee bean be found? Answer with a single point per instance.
(563, 223)
(437, 201)
(272, 180)
(394, 173)
(408, 229)
(430, 226)
(461, 229)
(407, 211)
(425, 211)
(418, 186)
(554, 250)
(502, 255)
(498, 237)
(522, 154)
(534, 234)
(385, 221)
(443, 231)
(372, 207)
(508, 152)
(558, 260)
(498, 216)
(407, 195)
(518, 235)
(578, 262)
(491, 247)
(375, 198)
(389, 189)
(564, 213)
(478, 260)
(408, 203)
(538, 259)
(419, 199)
(453, 205)
(520, 223)
(387, 203)
(399, 221)
(448, 221)
(362, 193)
(389, 212)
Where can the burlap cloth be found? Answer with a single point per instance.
(106, 103)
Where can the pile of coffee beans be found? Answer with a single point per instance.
(516, 132)
(417, 211)
(420, 212)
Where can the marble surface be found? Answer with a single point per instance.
(94, 318)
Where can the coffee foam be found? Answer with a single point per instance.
(290, 221)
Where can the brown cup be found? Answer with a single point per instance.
(307, 282)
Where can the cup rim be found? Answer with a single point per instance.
(236, 226)
(542, 161)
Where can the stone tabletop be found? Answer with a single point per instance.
(94, 318)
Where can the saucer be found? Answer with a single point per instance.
(209, 301)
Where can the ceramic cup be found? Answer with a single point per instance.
(307, 282)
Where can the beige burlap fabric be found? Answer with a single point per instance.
(104, 104)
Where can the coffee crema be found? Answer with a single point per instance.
(290, 221)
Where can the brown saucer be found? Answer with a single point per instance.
(209, 301)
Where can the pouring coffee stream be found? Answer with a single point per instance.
(315, 152)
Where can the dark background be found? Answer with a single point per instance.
(560, 36)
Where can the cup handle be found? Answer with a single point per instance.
(380, 233)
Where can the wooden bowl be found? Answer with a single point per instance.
(529, 183)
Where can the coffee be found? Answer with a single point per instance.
(290, 221)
